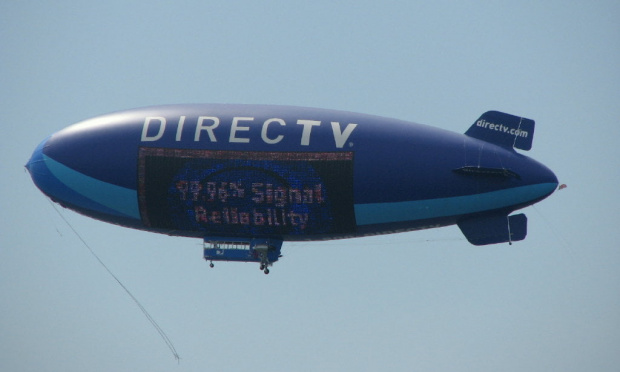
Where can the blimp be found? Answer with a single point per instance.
(246, 178)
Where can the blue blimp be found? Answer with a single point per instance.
(245, 178)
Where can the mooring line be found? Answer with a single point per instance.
(148, 316)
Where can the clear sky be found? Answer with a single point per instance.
(420, 301)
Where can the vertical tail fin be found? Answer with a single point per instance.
(504, 130)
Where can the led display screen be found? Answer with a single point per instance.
(249, 193)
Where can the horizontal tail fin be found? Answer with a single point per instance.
(504, 130)
(494, 228)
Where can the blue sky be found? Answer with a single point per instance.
(414, 301)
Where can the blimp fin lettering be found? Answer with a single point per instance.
(505, 130)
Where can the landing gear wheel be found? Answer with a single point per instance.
(266, 271)
(262, 266)
(211, 265)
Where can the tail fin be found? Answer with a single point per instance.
(494, 228)
(504, 130)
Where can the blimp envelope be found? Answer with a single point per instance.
(249, 177)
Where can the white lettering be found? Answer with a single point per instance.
(339, 136)
(240, 128)
(263, 134)
(200, 127)
(237, 128)
(501, 128)
(145, 128)
(180, 128)
(308, 124)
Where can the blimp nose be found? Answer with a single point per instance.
(38, 170)
(44, 176)
(55, 169)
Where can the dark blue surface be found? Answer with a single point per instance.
(404, 174)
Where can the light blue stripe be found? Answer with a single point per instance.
(367, 214)
(120, 199)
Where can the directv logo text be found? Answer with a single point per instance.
(501, 128)
(239, 128)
